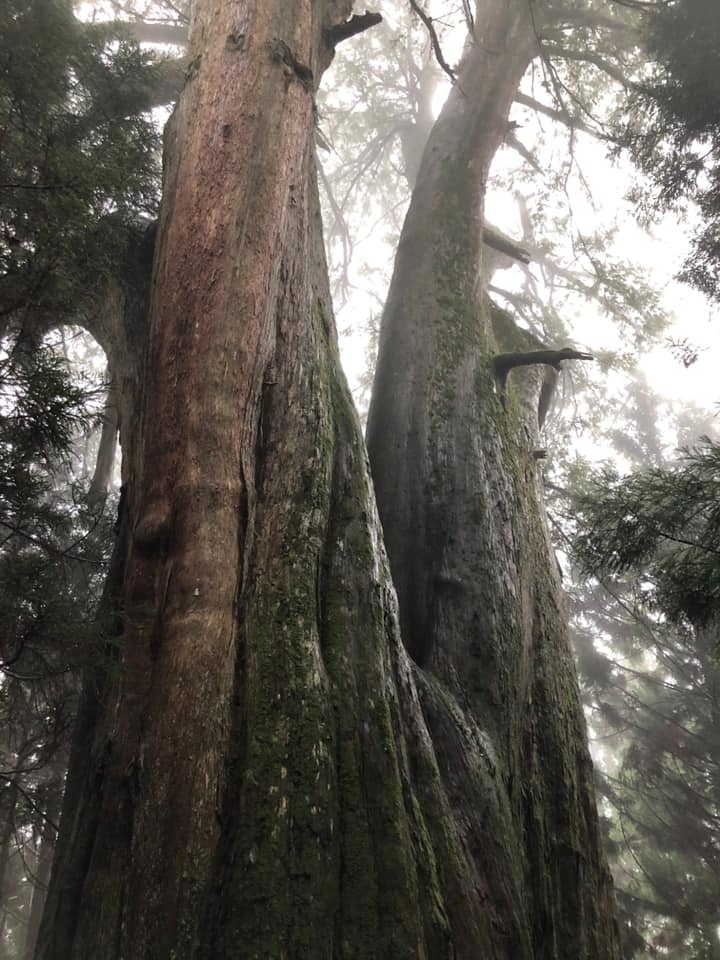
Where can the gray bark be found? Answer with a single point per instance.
(460, 501)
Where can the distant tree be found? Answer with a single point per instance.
(53, 553)
(631, 421)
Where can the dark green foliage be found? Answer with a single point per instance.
(78, 168)
(78, 157)
(53, 553)
(666, 524)
(674, 133)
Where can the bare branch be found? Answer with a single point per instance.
(645, 5)
(499, 241)
(560, 116)
(512, 141)
(428, 21)
(587, 56)
(152, 32)
(358, 23)
(503, 363)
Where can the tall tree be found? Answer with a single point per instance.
(452, 451)
(268, 770)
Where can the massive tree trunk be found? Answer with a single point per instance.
(459, 493)
(265, 772)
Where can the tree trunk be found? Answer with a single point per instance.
(460, 499)
(256, 777)
(48, 835)
(9, 796)
(107, 445)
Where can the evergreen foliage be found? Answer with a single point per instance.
(53, 553)
(78, 168)
(79, 155)
(674, 128)
(664, 524)
(648, 650)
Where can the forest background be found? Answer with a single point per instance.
(579, 251)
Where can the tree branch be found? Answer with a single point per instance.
(358, 23)
(587, 56)
(512, 141)
(560, 116)
(645, 5)
(428, 21)
(585, 18)
(503, 363)
(149, 32)
(498, 241)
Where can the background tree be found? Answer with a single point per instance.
(672, 129)
(633, 419)
(53, 551)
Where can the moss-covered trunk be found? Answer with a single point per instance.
(460, 498)
(264, 773)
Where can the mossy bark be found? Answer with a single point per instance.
(460, 499)
(264, 772)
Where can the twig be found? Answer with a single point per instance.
(428, 21)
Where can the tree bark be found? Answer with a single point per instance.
(107, 445)
(243, 788)
(460, 500)
(264, 773)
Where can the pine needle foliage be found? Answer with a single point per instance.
(665, 524)
(78, 169)
(79, 153)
